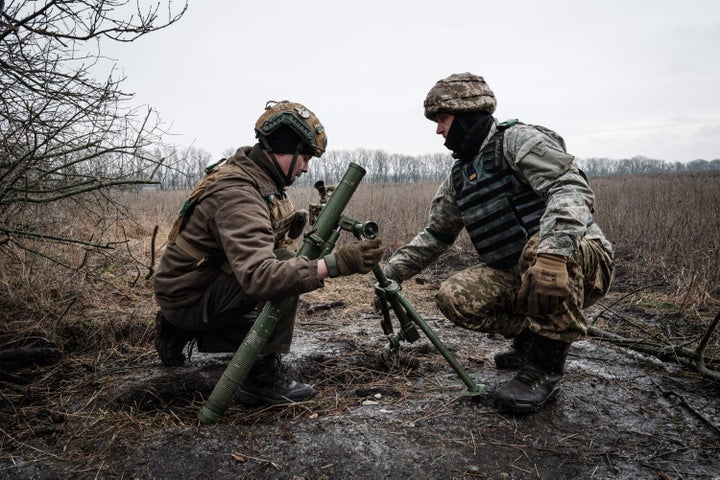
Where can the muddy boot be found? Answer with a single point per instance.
(169, 342)
(514, 357)
(537, 381)
(268, 383)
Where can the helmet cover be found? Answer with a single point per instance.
(460, 92)
(296, 116)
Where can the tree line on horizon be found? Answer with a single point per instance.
(182, 169)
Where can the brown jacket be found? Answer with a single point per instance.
(232, 222)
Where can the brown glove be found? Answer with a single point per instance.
(545, 285)
(357, 257)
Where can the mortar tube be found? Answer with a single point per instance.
(253, 343)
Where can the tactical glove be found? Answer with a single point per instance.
(357, 257)
(545, 285)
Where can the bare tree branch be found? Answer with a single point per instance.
(684, 356)
(67, 134)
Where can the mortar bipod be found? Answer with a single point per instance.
(390, 297)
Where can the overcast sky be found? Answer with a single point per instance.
(616, 78)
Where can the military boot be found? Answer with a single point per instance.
(267, 383)
(170, 342)
(515, 356)
(537, 381)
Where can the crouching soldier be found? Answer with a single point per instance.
(528, 211)
(228, 254)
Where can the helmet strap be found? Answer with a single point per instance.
(288, 176)
(266, 146)
(293, 162)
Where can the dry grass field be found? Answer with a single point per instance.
(94, 315)
(665, 229)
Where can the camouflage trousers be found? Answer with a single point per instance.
(484, 298)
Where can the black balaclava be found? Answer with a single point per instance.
(467, 132)
(283, 140)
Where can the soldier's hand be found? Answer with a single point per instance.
(357, 257)
(545, 285)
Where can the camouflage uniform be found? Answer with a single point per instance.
(528, 212)
(483, 297)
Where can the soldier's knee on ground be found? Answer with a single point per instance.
(488, 310)
(458, 307)
(447, 304)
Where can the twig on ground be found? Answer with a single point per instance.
(632, 292)
(683, 356)
(241, 457)
(325, 306)
(30, 355)
(693, 410)
(702, 345)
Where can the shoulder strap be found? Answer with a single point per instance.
(201, 257)
(212, 174)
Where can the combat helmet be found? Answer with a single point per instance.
(460, 92)
(299, 119)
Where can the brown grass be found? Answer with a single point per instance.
(666, 230)
(665, 227)
(101, 310)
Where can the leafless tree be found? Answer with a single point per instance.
(68, 133)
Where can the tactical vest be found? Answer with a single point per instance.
(500, 212)
(282, 213)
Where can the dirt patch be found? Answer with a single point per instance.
(119, 414)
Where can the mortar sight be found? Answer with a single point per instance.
(367, 229)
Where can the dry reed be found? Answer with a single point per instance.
(666, 230)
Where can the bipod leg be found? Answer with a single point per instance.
(389, 293)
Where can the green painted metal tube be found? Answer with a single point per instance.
(246, 354)
(389, 291)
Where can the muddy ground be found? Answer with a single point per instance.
(119, 414)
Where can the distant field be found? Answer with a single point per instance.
(665, 228)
